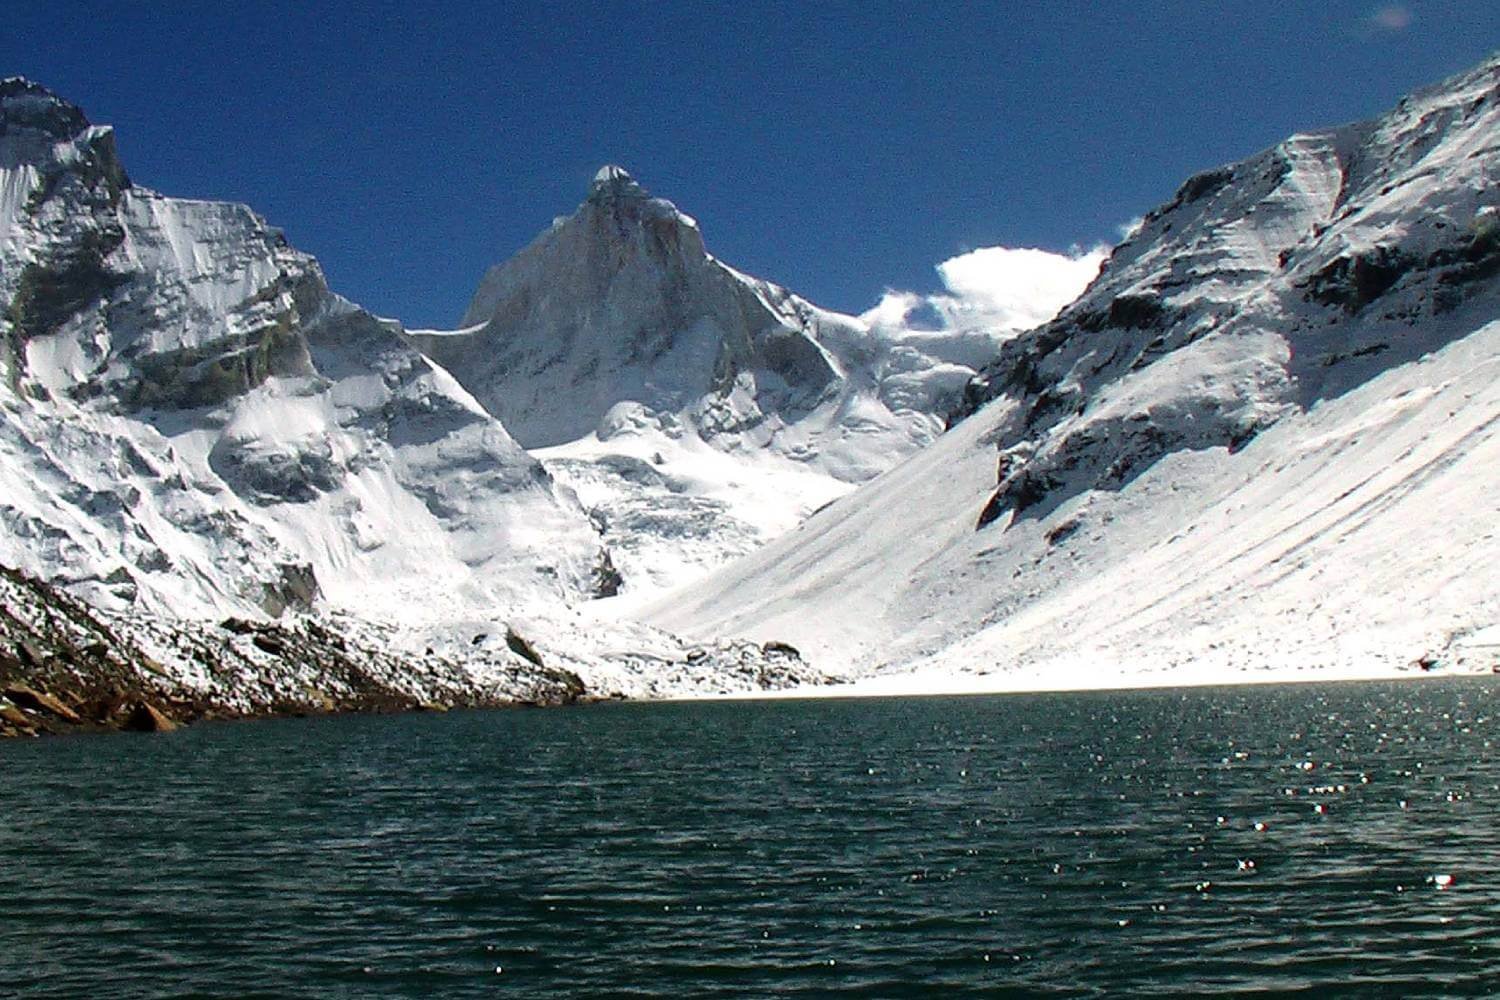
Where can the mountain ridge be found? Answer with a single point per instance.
(1235, 447)
(188, 337)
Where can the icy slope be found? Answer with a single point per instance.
(1264, 437)
(696, 410)
(193, 423)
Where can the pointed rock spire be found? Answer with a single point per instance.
(612, 183)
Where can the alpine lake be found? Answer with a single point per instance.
(1321, 838)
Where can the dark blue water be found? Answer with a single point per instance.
(1060, 845)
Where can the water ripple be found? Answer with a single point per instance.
(1154, 843)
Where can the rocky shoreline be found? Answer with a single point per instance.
(67, 667)
(26, 711)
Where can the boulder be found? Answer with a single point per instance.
(147, 718)
(521, 647)
(31, 654)
(14, 716)
(269, 644)
(40, 701)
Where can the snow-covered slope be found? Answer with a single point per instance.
(1266, 436)
(192, 422)
(696, 410)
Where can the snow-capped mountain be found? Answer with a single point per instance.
(194, 422)
(192, 426)
(697, 411)
(1267, 434)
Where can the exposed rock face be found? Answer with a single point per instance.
(190, 420)
(87, 669)
(145, 673)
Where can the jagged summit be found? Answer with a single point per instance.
(617, 196)
(55, 137)
(14, 88)
(613, 182)
(621, 302)
(26, 106)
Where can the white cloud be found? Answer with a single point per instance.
(1391, 17)
(892, 309)
(1018, 287)
(1004, 289)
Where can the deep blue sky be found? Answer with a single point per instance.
(837, 148)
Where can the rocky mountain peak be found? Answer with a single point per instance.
(619, 210)
(29, 107)
(53, 135)
(621, 302)
(612, 183)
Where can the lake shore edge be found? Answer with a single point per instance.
(28, 708)
(923, 684)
